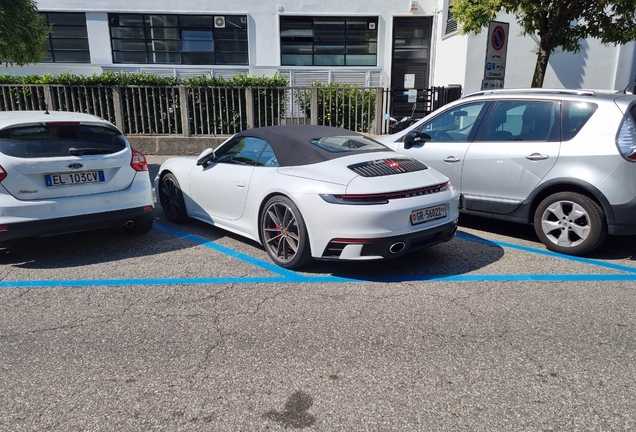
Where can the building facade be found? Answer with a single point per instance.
(403, 45)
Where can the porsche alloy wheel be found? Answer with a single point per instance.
(570, 223)
(284, 234)
(171, 199)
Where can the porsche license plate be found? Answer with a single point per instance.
(63, 179)
(428, 214)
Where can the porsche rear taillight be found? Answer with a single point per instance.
(3, 174)
(626, 138)
(384, 198)
(138, 162)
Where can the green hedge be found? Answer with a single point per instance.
(211, 110)
(145, 79)
(348, 106)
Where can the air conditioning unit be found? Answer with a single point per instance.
(219, 22)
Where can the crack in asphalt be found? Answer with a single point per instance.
(216, 322)
(104, 319)
(20, 293)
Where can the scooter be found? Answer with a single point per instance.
(399, 125)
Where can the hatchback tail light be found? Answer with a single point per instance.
(138, 162)
(626, 139)
(3, 174)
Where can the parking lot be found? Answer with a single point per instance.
(192, 328)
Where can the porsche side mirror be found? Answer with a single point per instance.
(415, 137)
(205, 157)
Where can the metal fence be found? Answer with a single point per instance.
(217, 111)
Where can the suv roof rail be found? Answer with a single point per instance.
(579, 92)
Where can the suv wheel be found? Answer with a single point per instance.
(570, 223)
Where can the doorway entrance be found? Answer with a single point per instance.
(411, 65)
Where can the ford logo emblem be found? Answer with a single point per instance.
(75, 165)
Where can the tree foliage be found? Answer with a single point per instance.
(23, 32)
(559, 24)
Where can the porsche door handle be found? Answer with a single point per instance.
(537, 156)
(451, 159)
(239, 184)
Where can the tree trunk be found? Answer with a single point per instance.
(542, 64)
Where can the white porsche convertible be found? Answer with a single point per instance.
(308, 192)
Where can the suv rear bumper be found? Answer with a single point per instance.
(624, 219)
(65, 225)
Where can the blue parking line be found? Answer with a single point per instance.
(227, 251)
(318, 279)
(165, 281)
(593, 262)
(288, 276)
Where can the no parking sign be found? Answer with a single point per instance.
(498, 38)
(495, 67)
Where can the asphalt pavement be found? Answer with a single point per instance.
(188, 328)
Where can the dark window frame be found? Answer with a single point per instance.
(57, 54)
(451, 25)
(243, 150)
(321, 40)
(571, 125)
(533, 130)
(445, 122)
(228, 44)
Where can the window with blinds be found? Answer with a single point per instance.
(328, 41)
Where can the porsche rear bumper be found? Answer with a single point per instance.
(389, 247)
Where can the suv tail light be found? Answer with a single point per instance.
(3, 174)
(138, 162)
(626, 138)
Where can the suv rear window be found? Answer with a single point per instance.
(575, 115)
(56, 140)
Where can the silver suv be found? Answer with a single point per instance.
(563, 160)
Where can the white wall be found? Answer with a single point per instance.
(456, 59)
(263, 15)
(449, 54)
(596, 66)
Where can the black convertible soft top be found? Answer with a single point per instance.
(293, 145)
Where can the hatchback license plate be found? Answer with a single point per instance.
(63, 179)
(428, 214)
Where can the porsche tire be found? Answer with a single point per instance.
(284, 234)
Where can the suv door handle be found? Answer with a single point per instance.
(537, 156)
(451, 159)
(239, 184)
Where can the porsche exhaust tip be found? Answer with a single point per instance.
(397, 247)
(129, 224)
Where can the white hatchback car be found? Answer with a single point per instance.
(63, 172)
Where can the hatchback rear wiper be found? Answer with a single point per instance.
(85, 151)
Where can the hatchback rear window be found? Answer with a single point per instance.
(56, 140)
(575, 115)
